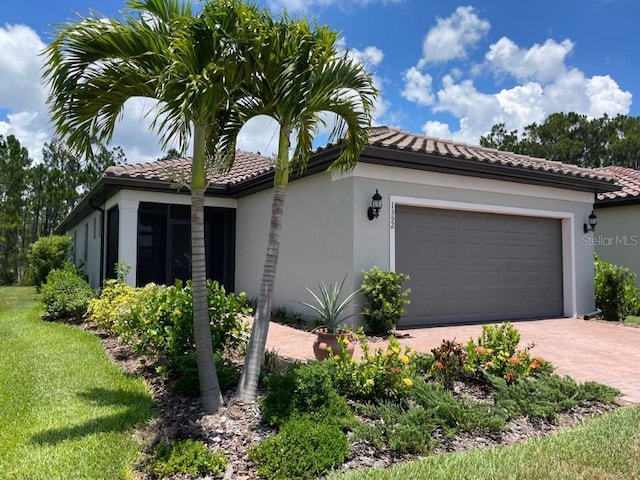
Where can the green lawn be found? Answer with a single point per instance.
(66, 411)
(607, 447)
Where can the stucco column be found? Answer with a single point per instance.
(128, 237)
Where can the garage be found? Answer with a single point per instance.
(477, 266)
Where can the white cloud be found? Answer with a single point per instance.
(542, 63)
(436, 129)
(260, 134)
(370, 57)
(605, 96)
(418, 87)
(453, 36)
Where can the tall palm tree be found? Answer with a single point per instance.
(194, 65)
(300, 76)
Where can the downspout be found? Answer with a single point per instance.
(102, 232)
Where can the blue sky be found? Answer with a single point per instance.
(444, 68)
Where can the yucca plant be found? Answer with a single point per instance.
(328, 307)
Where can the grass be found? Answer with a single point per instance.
(632, 319)
(66, 411)
(606, 447)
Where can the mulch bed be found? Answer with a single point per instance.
(236, 426)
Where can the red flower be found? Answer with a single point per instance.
(480, 350)
(514, 360)
(535, 365)
(510, 376)
(439, 365)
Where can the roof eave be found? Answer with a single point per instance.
(460, 166)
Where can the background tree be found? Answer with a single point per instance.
(194, 66)
(574, 138)
(300, 76)
(14, 162)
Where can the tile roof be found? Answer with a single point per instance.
(249, 165)
(627, 178)
(396, 139)
(246, 165)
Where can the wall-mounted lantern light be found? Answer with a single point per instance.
(593, 221)
(376, 205)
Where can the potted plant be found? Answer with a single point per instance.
(329, 312)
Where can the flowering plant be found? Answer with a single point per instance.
(449, 362)
(385, 373)
(497, 353)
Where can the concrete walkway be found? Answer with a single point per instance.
(585, 350)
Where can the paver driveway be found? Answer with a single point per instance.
(585, 350)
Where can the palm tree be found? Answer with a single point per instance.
(301, 75)
(194, 66)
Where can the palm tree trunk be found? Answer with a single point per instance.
(247, 388)
(209, 386)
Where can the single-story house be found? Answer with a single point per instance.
(484, 234)
(617, 237)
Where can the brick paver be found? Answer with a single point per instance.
(586, 350)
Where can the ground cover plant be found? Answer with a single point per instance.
(401, 404)
(66, 411)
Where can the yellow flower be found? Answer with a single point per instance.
(369, 382)
(408, 382)
(395, 350)
(404, 359)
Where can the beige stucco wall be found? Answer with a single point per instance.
(88, 254)
(617, 236)
(316, 244)
(326, 233)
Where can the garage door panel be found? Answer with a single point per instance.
(472, 266)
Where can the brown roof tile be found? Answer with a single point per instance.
(247, 165)
(397, 139)
(627, 178)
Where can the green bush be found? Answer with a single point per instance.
(46, 254)
(304, 449)
(546, 396)
(385, 299)
(187, 457)
(616, 292)
(185, 373)
(66, 294)
(114, 303)
(497, 353)
(383, 374)
(160, 321)
(304, 389)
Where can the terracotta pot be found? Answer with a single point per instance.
(326, 339)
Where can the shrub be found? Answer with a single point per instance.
(187, 457)
(303, 449)
(65, 294)
(379, 375)
(546, 396)
(160, 323)
(403, 430)
(46, 254)
(185, 371)
(385, 299)
(616, 292)
(115, 302)
(449, 360)
(304, 389)
(497, 353)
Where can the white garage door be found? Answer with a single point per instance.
(475, 267)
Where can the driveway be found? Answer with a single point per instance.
(585, 350)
